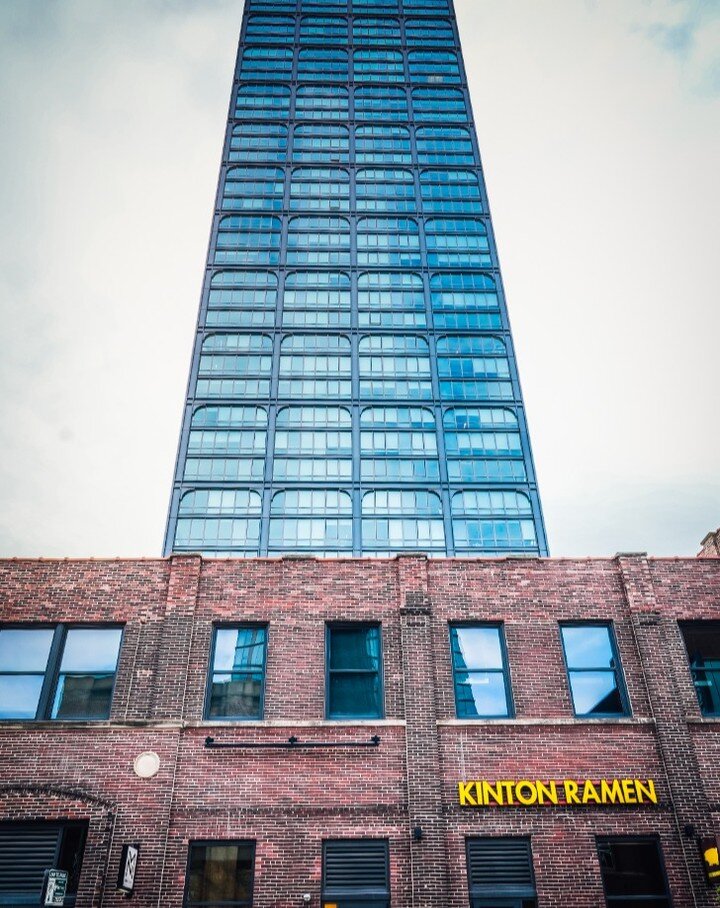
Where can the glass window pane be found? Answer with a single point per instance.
(480, 695)
(220, 872)
(354, 695)
(239, 648)
(236, 695)
(477, 647)
(595, 693)
(632, 867)
(83, 697)
(19, 696)
(355, 648)
(24, 649)
(91, 650)
(588, 646)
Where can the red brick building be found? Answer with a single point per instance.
(297, 820)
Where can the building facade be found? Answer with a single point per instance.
(353, 387)
(492, 732)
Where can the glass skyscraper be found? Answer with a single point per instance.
(353, 388)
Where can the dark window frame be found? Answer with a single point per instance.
(698, 624)
(511, 894)
(617, 668)
(251, 842)
(641, 900)
(51, 675)
(353, 625)
(62, 825)
(505, 670)
(235, 625)
(368, 895)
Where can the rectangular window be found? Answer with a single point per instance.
(220, 873)
(27, 850)
(594, 673)
(633, 873)
(58, 672)
(500, 873)
(354, 671)
(702, 641)
(480, 671)
(356, 873)
(236, 686)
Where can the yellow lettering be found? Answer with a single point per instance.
(590, 793)
(645, 790)
(526, 792)
(548, 791)
(571, 792)
(610, 792)
(489, 792)
(465, 794)
(508, 786)
(628, 787)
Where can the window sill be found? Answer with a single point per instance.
(293, 723)
(560, 721)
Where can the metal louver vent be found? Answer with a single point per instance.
(355, 867)
(25, 853)
(500, 865)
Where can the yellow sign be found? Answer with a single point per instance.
(711, 859)
(527, 792)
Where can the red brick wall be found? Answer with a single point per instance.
(288, 801)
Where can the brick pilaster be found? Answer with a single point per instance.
(655, 634)
(424, 777)
(175, 648)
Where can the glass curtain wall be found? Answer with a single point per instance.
(353, 388)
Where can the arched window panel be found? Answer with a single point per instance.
(457, 243)
(483, 470)
(322, 64)
(462, 367)
(309, 443)
(321, 536)
(388, 242)
(434, 66)
(248, 241)
(394, 345)
(317, 299)
(441, 105)
(395, 367)
(224, 469)
(229, 417)
(323, 30)
(229, 442)
(270, 30)
(491, 504)
(242, 371)
(403, 533)
(315, 366)
(266, 63)
(483, 444)
(401, 503)
(318, 241)
(465, 301)
(391, 299)
(395, 443)
(385, 190)
(319, 189)
(258, 102)
(382, 145)
(494, 535)
(379, 6)
(324, 6)
(272, 6)
(321, 102)
(315, 142)
(238, 537)
(220, 502)
(396, 469)
(461, 345)
(403, 418)
(444, 145)
(429, 32)
(464, 361)
(450, 192)
(252, 142)
(237, 343)
(308, 501)
(380, 103)
(476, 390)
(368, 30)
(426, 6)
(330, 418)
(253, 189)
(291, 469)
(243, 289)
(378, 66)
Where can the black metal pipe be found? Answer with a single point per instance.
(291, 743)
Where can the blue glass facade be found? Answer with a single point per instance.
(353, 388)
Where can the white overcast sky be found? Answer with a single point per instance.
(599, 125)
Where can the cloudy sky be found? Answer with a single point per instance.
(599, 123)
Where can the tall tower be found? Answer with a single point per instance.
(353, 388)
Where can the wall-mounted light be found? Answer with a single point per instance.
(417, 834)
(307, 898)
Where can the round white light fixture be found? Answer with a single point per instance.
(147, 764)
